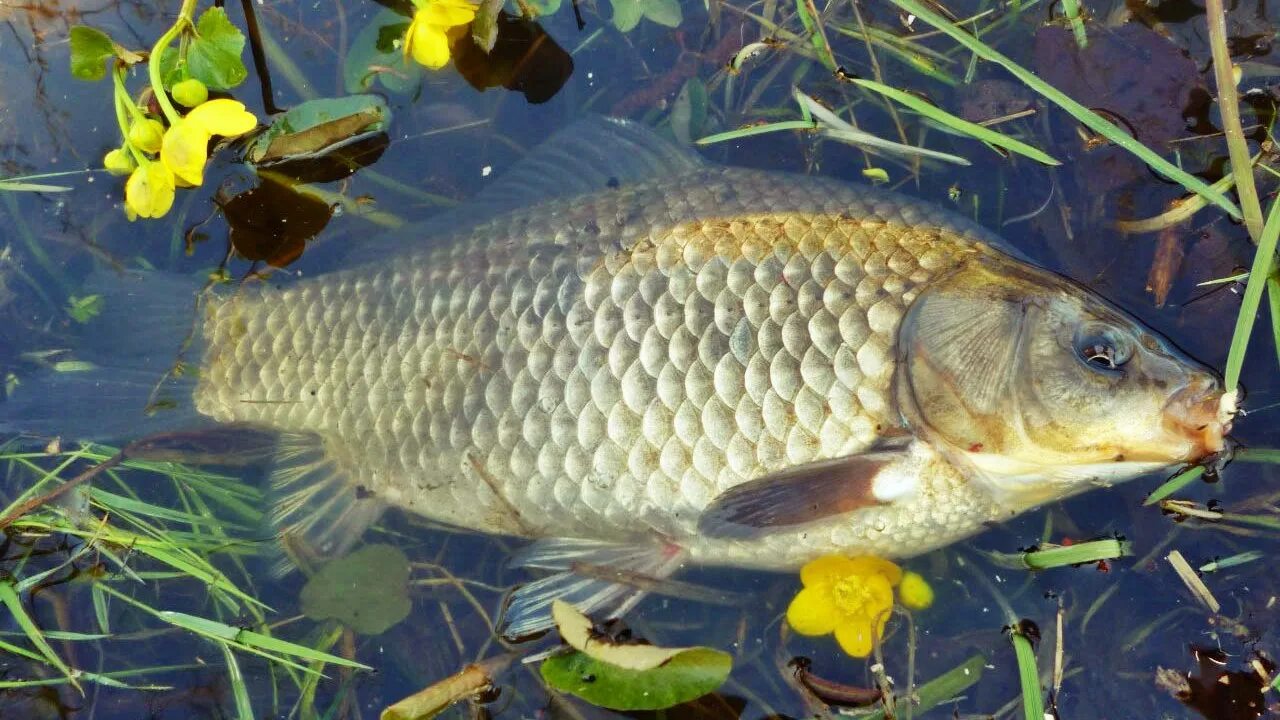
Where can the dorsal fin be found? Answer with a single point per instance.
(593, 154)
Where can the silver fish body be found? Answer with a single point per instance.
(607, 366)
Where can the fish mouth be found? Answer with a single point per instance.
(1202, 414)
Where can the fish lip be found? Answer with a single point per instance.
(1202, 414)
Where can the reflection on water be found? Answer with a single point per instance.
(155, 538)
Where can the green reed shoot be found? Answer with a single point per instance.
(958, 124)
(1028, 675)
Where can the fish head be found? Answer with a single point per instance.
(1043, 389)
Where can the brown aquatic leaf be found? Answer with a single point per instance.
(1167, 262)
(1216, 692)
(1131, 75)
(273, 222)
(524, 58)
(993, 98)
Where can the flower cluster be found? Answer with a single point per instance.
(853, 598)
(427, 39)
(159, 159)
(166, 134)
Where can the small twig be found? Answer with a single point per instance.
(1193, 581)
(259, 57)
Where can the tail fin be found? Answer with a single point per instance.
(132, 369)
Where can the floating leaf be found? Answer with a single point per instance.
(687, 676)
(214, 55)
(318, 127)
(664, 12)
(90, 50)
(627, 14)
(368, 590)
(524, 58)
(273, 222)
(376, 56)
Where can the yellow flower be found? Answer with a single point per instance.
(427, 39)
(185, 148)
(851, 597)
(149, 191)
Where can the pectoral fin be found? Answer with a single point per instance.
(801, 495)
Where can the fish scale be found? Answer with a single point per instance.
(605, 366)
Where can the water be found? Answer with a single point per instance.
(447, 141)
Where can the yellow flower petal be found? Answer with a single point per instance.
(856, 637)
(826, 569)
(223, 116)
(185, 151)
(915, 592)
(429, 45)
(149, 191)
(871, 565)
(447, 13)
(812, 612)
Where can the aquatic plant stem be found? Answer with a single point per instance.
(185, 18)
(1258, 274)
(1229, 109)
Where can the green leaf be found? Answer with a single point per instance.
(543, 7)
(484, 29)
(627, 14)
(90, 50)
(663, 12)
(84, 309)
(376, 57)
(317, 127)
(689, 112)
(687, 676)
(368, 590)
(214, 56)
(958, 124)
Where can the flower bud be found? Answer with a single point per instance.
(190, 92)
(119, 162)
(146, 135)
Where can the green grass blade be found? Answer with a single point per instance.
(974, 130)
(1086, 116)
(10, 599)
(837, 129)
(1078, 554)
(244, 709)
(1273, 304)
(1258, 274)
(1232, 561)
(1028, 676)
(15, 186)
(1174, 484)
(946, 686)
(756, 130)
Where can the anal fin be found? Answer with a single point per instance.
(318, 510)
(578, 579)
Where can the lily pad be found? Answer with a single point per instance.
(376, 56)
(318, 127)
(687, 676)
(368, 590)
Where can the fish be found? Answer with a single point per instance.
(639, 360)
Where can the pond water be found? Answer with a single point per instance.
(97, 572)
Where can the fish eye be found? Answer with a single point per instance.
(1101, 349)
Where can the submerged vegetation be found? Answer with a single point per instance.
(131, 582)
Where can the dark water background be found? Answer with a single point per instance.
(449, 140)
